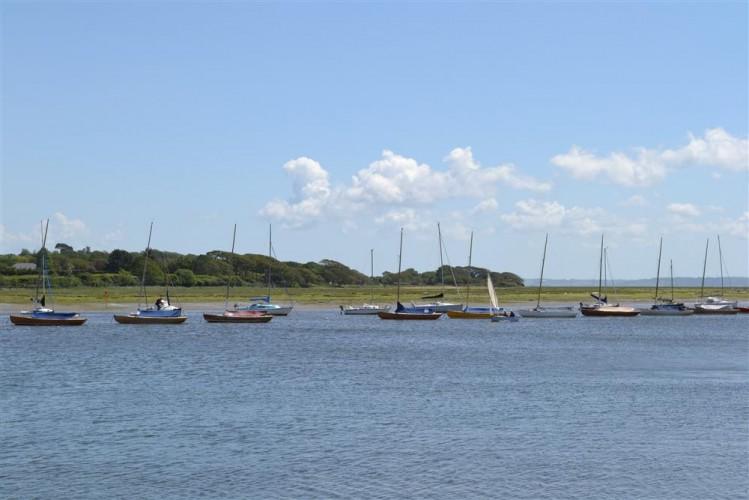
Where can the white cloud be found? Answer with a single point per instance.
(311, 193)
(62, 229)
(684, 209)
(635, 200)
(475, 179)
(737, 227)
(62, 226)
(536, 215)
(717, 149)
(407, 218)
(487, 205)
(390, 184)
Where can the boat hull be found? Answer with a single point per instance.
(714, 310)
(502, 318)
(237, 318)
(273, 311)
(666, 312)
(469, 315)
(23, 320)
(611, 311)
(440, 307)
(548, 313)
(134, 319)
(742, 310)
(409, 315)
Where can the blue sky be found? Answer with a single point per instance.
(339, 123)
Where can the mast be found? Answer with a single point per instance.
(605, 270)
(398, 289)
(468, 285)
(442, 269)
(658, 272)
(145, 264)
(704, 267)
(671, 266)
(270, 256)
(371, 274)
(541, 281)
(228, 282)
(600, 270)
(720, 253)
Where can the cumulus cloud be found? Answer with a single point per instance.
(684, 209)
(62, 229)
(391, 184)
(717, 148)
(536, 215)
(311, 193)
(487, 205)
(635, 200)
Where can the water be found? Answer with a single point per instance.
(320, 405)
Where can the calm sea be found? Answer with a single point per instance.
(318, 405)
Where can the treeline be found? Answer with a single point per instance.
(70, 268)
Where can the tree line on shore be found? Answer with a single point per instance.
(85, 267)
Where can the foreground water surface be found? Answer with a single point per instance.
(329, 406)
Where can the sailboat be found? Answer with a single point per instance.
(601, 306)
(499, 313)
(546, 312)
(440, 305)
(366, 309)
(665, 307)
(469, 312)
(235, 315)
(714, 305)
(263, 303)
(162, 312)
(401, 312)
(41, 315)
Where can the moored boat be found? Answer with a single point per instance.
(162, 312)
(42, 315)
(366, 309)
(235, 315)
(472, 312)
(601, 307)
(665, 307)
(714, 305)
(46, 317)
(401, 312)
(263, 303)
(363, 310)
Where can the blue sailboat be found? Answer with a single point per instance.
(41, 315)
(162, 312)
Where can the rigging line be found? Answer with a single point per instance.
(611, 273)
(452, 272)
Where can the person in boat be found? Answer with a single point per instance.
(160, 303)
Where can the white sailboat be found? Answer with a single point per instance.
(366, 309)
(498, 314)
(714, 305)
(546, 312)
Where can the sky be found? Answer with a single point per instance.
(340, 123)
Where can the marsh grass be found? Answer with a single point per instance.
(351, 295)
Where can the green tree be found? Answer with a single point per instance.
(184, 277)
(119, 259)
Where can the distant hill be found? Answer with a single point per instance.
(733, 281)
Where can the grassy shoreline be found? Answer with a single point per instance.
(353, 295)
